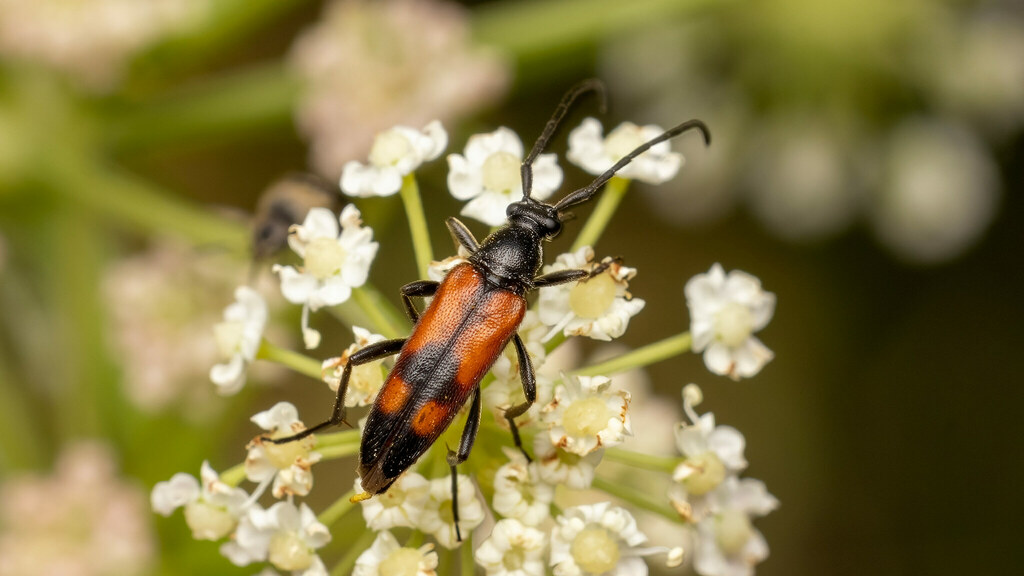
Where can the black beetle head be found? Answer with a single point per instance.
(541, 217)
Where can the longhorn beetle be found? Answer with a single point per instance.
(474, 314)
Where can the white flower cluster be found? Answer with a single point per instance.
(284, 534)
(540, 522)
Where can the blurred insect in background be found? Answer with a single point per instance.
(286, 202)
(474, 314)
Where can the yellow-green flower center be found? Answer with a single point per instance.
(401, 562)
(707, 472)
(734, 324)
(367, 378)
(732, 531)
(592, 298)
(501, 172)
(595, 551)
(289, 552)
(282, 456)
(228, 336)
(208, 522)
(623, 140)
(513, 560)
(388, 148)
(587, 417)
(324, 257)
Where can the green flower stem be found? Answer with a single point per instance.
(644, 356)
(125, 199)
(335, 511)
(556, 341)
(634, 498)
(417, 224)
(415, 539)
(638, 460)
(233, 476)
(467, 564)
(525, 28)
(338, 438)
(378, 309)
(344, 566)
(607, 203)
(339, 451)
(298, 362)
(244, 102)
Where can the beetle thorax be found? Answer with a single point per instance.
(510, 257)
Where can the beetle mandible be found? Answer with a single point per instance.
(475, 313)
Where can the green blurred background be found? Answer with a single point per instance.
(866, 165)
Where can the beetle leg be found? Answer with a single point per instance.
(420, 289)
(363, 356)
(462, 235)
(565, 276)
(529, 379)
(559, 277)
(456, 458)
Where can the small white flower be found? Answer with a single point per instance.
(727, 543)
(333, 264)
(401, 505)
(512, 549)
(725, 311)
(519, 492)
(489, 175)
(287, 465)
(386, 557)
(212, 508)
(365, 380)
(598, 307)
(437, 511)
(438, 269)
(558, 466)
(596, 154)
(284, 535)
(586, 414)
(713, 453)
(601, 539)
(238, 338)
(395, 153)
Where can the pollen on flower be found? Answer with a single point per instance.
(324, 258)
(586, 417)
(592, 298)
(595, 550)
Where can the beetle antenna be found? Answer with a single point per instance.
(586, 193)
(590, 85)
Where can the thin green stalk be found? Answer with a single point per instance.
(415, 539)
(248, 101)
(467, 565)
(638, 460)
(525, 29)
(644, 356)
(556, 341)
(417, 224)
(339, 451)
(298, 362)
(375, 306)
(607, 203)
(126, 199)
(344, 566)
(634, 498)
(335, 511)
(233, 476)
(338, 438)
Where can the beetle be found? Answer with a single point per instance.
(474, 314)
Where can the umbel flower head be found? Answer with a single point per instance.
(725, 311)
(395, 152)
(333, 264)
(488, 175)
(595, 154)
(238, 338)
